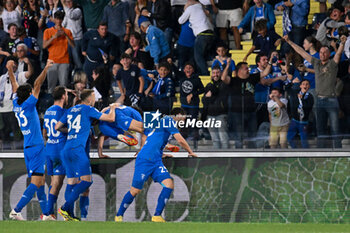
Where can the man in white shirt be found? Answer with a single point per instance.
(202, 29)
(10, 125)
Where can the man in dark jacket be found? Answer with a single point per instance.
(216, 108)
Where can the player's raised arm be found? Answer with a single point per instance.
(10, 65)
(41, 78)
(110, 117)
(182, 142)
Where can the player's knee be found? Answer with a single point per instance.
(134, 191)
(169, 183)
(86, 193)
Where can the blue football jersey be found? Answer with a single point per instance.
(78, 120)
(157, 139)
(129, 111)
(52, 116)
(28, 121)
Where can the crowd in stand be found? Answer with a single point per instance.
(141, 53)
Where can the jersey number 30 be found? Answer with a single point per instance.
(51, 128)
(76, 123)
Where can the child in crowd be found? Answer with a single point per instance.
(163, 91)
(221, 60)
(265, 42)
(279, 119)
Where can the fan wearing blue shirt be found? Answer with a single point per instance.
(55, 143)
(79, 119)
(24, 106)
(149, 163)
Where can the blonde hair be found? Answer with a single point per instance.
(80, 77)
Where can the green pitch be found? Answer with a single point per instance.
(184, 227)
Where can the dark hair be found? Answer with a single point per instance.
(260, 25)
(276, 89)
(189, 63)
(303, 80)
(102, 23)
(12, 58)
(23, 93)
(85, 94)
(11, 25)
(348, 14)
(166, 65)
(21, 31)
(58, 92)
(240, 64)
(317, 44)
(59, 15)
(258, 57)
(177, 111)
(217, 67)
(343, 31)
(221, 44)
(136, 35)
(125, 55)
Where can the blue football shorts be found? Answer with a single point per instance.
(76, 162)
(54, 164)
(145, 168)
(35, 158)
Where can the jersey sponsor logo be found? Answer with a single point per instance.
(53, 141)
(187, 86)
(70, 137)
(51, 113)
(26, 132)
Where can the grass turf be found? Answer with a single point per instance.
(183, 227)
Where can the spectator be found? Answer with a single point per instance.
(261, 10)
(10, 14)
(229, 14)
(191, 87)
(93, 12)
(47, 14)
(157, 44)
(136, 51)
(96, 44)
(7, 115)
(9, 43)
(140, 4)
(159, 13)
(130, 82)
(261, 92)
(242, 107)
(221, 59)
(298, 11)
(331, 22)
(116, 15)
(33, 49)
(185, 45)
(163, 91)
(215, 107)
(327, 105)
(31, 16)
(265, 42)
(74, 22)
(24, 63)
(277, 70)
(149, 78)
(56, 40)
(101, 85)
(279, 119)
(177, 7)
(300, 102)
(344, 102)
(202, 29)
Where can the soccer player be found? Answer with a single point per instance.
(77, 164)
(55, 142)
(34, 156)
(149, 163)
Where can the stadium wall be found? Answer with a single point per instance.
(231, 187)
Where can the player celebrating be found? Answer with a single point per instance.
(149, 163)
(77, 164)
(34, 156)
(54, 145)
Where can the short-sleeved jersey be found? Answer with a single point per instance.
(157, 139)
(52, 116)
(28, 121)
(78, 120)
(129, 111)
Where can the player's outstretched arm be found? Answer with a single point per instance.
(182, 142)
(101, 139)
(41, 78)
(59, 127)
(9, 65)
(110, 117)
